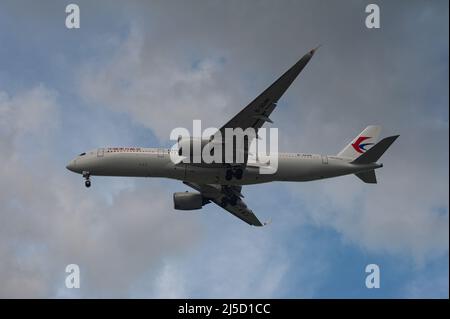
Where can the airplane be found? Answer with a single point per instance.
(222, 183)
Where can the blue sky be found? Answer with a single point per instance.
(133, 72)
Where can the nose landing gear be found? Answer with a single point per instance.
(87, 181)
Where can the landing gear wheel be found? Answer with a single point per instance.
(238, 173)
(87, 181)
(229, 175)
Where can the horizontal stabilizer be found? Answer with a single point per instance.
(373, 154)
(368, 177)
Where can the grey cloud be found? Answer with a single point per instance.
(393, 76)
(47, 221)
(206, 60)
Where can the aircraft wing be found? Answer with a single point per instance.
(230, 199)
(258, 111)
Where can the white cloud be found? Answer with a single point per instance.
(170, 282)
(48, 220)
(239, 263)
(27, 113)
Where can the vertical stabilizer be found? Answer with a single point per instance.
(360, 144)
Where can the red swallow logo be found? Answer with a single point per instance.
(360, 148)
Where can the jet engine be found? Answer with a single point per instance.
(188, 201)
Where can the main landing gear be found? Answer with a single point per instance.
(87, 181)
(233, 172)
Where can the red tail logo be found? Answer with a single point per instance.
(360, 148)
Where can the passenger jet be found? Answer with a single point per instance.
(222, 183)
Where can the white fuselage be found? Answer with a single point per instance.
(156, 162)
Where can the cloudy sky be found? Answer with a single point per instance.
(134, 71)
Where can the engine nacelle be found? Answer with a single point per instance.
(188, 201)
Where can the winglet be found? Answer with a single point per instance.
(315, 49)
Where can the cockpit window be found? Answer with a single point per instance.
(82, 154)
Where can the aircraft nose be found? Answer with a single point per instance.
(71, 166)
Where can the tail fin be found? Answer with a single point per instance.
(360, 144)
(372, 155)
